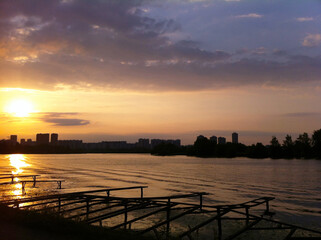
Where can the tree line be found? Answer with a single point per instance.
(302, 147)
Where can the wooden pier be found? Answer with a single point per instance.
(160, 216)
(23, 182)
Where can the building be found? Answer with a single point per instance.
(14, 138)
(235, 138)
(213, 139)
(22, 141)
(221, 140)
(54, 138)
(42, 138)
(143, 143)
(71, 144)
(155, 142)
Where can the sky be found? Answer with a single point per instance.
(120, 70)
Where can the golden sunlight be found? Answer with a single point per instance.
(20, 108)
(18, 161)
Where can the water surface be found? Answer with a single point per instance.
(294, 183)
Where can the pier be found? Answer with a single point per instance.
(160, 216)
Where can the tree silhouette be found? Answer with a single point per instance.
(303, 146)
(288, 147)
(316, 142)
(275, 148)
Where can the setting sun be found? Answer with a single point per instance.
(20, 108)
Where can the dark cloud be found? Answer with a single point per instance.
(62, 119)
(115, 44)
(67, 122)
(303, 114)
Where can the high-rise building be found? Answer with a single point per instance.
(235, 138)
(22, 141)
(14, 138)
(42, 138)
(221, 140)
(54, 138)
(213, 139)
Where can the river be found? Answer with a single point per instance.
(296, 184)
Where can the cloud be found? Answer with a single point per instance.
(250, 15)
(312, 40)
(116, 45)
(304, 19)
(62, 119)
(303, 114)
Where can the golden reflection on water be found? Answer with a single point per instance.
(18, 161)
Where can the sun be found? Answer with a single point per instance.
(20, 108)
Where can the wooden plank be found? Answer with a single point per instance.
(143, 216)
(96, 210)
(116, 213)
(66, 195)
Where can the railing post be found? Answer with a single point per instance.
(34, 180)
(201, 201)
(125, 220)
(168, 215)
(267, 211)
(247, 214)
(141, 192)
(219, 223)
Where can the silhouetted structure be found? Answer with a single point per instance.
(22, 141)
(235, 138)
(54, 138)
(303, 147)
(14, 138)
(42, 138)
(70, 144)
(221, 140)
(155, 142)
(213, 139)
(143, 143)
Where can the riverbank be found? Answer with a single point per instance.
(25, 225)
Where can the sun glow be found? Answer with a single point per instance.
(20, 108)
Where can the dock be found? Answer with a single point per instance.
(164, 217)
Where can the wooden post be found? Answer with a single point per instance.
(219, 223)
(23, 184)
(34, 180)
(108, 193)
(201, 201)
(247, 214)
(125, 219)
(141, 192)
(267, 211)
(12, 178)
(168, 215)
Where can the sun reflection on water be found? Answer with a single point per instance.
(18, 161)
